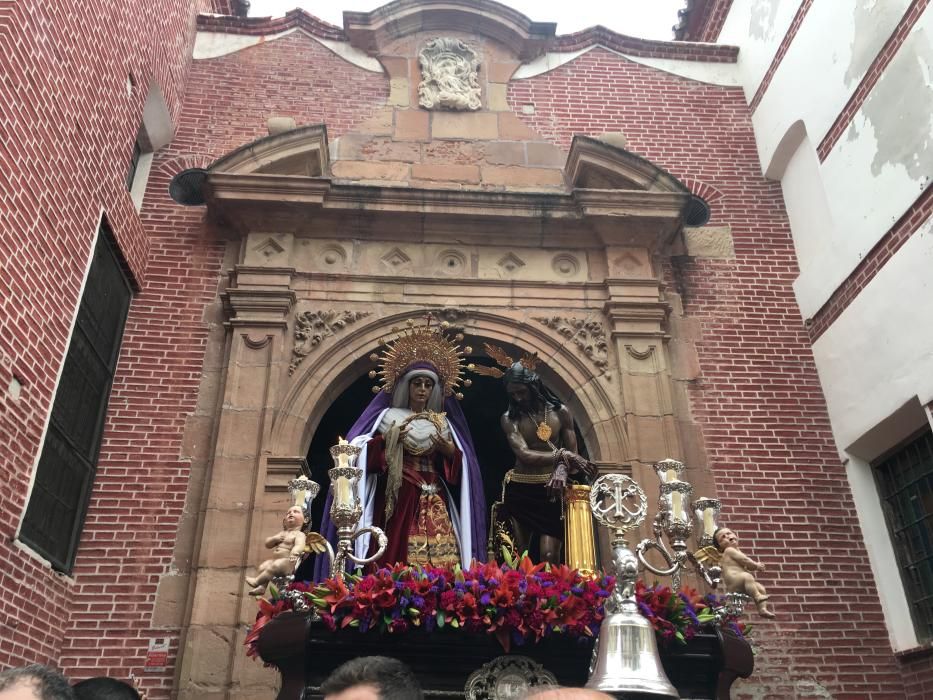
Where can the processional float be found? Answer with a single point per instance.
(625, 661)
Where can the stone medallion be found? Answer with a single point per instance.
(449, 76)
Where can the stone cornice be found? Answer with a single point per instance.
(628, 217)
(372, 31)
(255, 308)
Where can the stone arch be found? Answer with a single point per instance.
(793, 136)
(327, 373)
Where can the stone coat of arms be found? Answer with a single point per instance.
(448, 76)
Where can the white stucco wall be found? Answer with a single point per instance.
(879, 352)
(826, 61)
(758, 27)
(882, 162)
(875, 359)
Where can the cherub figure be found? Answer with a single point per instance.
(287, 547)
(737, 568)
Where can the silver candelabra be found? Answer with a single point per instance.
(675, 521)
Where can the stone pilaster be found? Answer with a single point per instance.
(239, 507)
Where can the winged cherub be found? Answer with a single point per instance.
(736, 568)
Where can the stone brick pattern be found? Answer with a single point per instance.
(753, 389)
(73, 80)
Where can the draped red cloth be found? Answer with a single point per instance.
(420, 529)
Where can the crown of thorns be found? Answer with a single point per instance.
(502, 358)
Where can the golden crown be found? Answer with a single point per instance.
(423, 343)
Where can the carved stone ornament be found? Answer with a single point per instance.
(507, 678)
(311, 327)
(586, 334)
(448, 76)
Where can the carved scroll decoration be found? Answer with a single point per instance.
(449, 76)
(586, 334)
(311, 327)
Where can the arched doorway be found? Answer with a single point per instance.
(483, 404)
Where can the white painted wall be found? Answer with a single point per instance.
(758, 27)
(881, 163)
(828, 58)
(877, 357)
(879, 352)
(810, 220)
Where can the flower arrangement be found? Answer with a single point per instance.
(517, 602)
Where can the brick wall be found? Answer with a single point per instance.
(68, 119)
(144, 465)
(758, 400)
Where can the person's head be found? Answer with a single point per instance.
(410, 390)
(724, 538)
(372, 678)
(294, 518)
(550, 692)
(104, 688)
(526, 391)
(34, 682)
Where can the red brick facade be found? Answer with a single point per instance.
(64, 150)
(75, 76)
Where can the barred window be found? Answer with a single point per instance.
(65, 473)
(905, 481)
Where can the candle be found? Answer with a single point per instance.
(708, 525)
(342, 491)
(344, 459)
(677, 505)
(670, 475)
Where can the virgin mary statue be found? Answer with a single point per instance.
(421, 482)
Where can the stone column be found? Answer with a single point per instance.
(237, 512)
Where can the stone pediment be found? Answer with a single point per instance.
(301, 151)
(595, 164)
(282, 182)
(372, 31)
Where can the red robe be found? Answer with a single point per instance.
(420, 530)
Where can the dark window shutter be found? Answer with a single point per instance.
(65, 473)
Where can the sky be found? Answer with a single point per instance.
(649, 19)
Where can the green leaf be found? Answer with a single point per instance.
(441, 619)
(455, 623)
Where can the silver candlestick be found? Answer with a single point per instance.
(346, 510)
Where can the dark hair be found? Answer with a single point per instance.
(47, 683)
(540, 394)
(104, 688)
(394, 680)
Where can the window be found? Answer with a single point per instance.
(65, 473)
(134, 165)
(905, 483)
